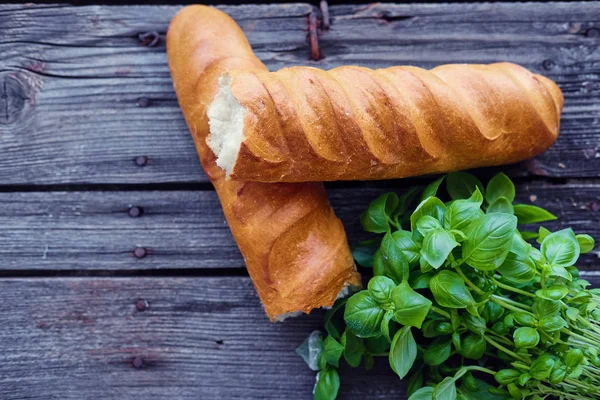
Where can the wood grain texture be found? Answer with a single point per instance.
(187, 230)
(83, 98)
(158, 338)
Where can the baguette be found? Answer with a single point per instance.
(294, 246)
(305, 124)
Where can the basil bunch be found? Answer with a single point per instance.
(458, 290)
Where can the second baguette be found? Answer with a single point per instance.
(304, 124)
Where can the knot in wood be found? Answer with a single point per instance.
(14, 99)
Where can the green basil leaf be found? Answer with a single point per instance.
(432, 207)
(353, 348)
(555, 292)
(501, 205)
(426, 224)
(334, 321)
(380, 288)
(500, 328)
(332, 350)
(432, 189)
(390, 261)
(403, 241)
(514, 391)
(363, 252)
(492, 312)
(425, 393)
(445, 390)
(363, 315)
(449, 290)
(419, 280)
(429, 328)
(473, 346)
(437, 352)
(541, 367)
(542, 233)
(499, 186)
(526, 337)
(437, 245)
(575, 372)
(385, 324)
(403, 352)
(456, 341)
(455, 319)
(377, 217)
(528, 214)
(489, 241)
(310, 350)
(560, 272)
(586, 243)
(552, 324)
(405, 201)
(572, 313)
(444, 328)
(517, 269)
(506, 376)
(525, 319)
(574, 358)
(327, 385)
(561, 248)
(519, 246)
(475, 324)
(559, 373)
(461, 213)
(482, 392)
(461, 185)
(411, 308)
(415, 382)
(545, 309)
(528, 234)
(376, 345)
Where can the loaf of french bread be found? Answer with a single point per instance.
(304, 124)
(294, 246)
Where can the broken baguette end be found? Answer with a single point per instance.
(226, 121)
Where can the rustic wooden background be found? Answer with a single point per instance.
(119, 278)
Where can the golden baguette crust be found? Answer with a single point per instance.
(306, 124)
(294, 246)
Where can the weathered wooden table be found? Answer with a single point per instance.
(120, 279)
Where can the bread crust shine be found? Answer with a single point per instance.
(306, 124)
(294, 246)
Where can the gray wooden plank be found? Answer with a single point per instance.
(160, 338)
(84, 99)
(194, 338)
(186, 229)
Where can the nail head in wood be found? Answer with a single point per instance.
(592, 32)
(143, 102)
(548, 64)
(140, 252)
(141, 161)
(138, 362)
(135, 212)
(141, 305)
